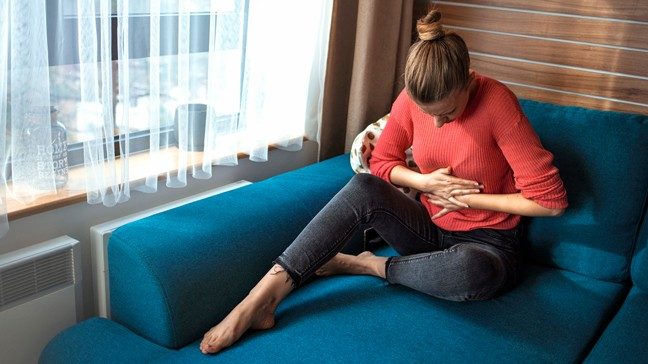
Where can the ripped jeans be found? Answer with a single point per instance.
(459, 266)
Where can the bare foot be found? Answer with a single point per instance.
(251, 313)
(347, 264)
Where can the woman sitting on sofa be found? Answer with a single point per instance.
(481, 167)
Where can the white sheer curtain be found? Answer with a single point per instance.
(4, 49)
(152, 88)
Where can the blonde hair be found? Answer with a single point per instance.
(437, 64)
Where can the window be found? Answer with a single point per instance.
(63, 51)
(114, 72)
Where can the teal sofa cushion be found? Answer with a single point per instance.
(174, 274)
(602, 158)
(553, 316)
(625, 340)
(99, 340)
(640, 259)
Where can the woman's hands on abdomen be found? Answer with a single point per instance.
(440, 187)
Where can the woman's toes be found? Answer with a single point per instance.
(246, 315)
(205, 345)
(215, 342)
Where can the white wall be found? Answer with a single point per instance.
(75, 220)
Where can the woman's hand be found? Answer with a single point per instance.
(441, 183)
(447, 205)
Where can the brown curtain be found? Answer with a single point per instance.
(367, 50)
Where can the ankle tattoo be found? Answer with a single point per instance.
(276, 269)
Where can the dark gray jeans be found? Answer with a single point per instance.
(459, 266)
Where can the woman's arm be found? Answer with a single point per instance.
(536, 177)
(513, 203)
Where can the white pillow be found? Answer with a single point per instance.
(365, 142)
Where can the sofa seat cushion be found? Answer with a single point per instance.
(553, 316)
(98, 340)
(625, 340)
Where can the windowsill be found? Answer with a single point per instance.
(74, 190)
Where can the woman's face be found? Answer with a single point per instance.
(448, 109)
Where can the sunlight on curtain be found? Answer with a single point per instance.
(278, 73)
(126, 80)
(31, 162)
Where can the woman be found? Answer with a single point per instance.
(481, 167)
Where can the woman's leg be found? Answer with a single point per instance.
(477, 265)
(463, 272)
(366, 201)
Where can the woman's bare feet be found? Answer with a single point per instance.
(249, 314)
(256, 311)
(363, 263)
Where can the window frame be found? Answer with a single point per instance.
(139, 141)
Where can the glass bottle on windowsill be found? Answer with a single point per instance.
(59, 149)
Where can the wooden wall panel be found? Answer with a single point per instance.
(569, 99)
(598, 31)
(582, 82)
(573, 52)
(614, 9)
(607, 59)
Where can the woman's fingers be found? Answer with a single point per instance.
(458, 203)
(461, 192)
(453, 193)
(436, 202)
(440, 213)
(444, 175)
(451, 203)
(462, 182)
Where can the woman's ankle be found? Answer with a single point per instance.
(376, 265)
(273, 287)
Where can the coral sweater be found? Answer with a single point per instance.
(492, 142)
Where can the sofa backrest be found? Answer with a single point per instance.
(603, 161)
(640, 260)
(175, 274)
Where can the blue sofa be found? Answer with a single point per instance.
(584, 295)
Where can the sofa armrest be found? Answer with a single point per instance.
(175, 274)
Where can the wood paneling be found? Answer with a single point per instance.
(560, 78)
(615, 9)
(633, 35)
(549, 51)
(589, 53)
(560, 98)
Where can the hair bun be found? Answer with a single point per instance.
(429, 27)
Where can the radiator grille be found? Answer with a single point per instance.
(36, 276)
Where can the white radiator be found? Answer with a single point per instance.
(100, 234)
(40, 295)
